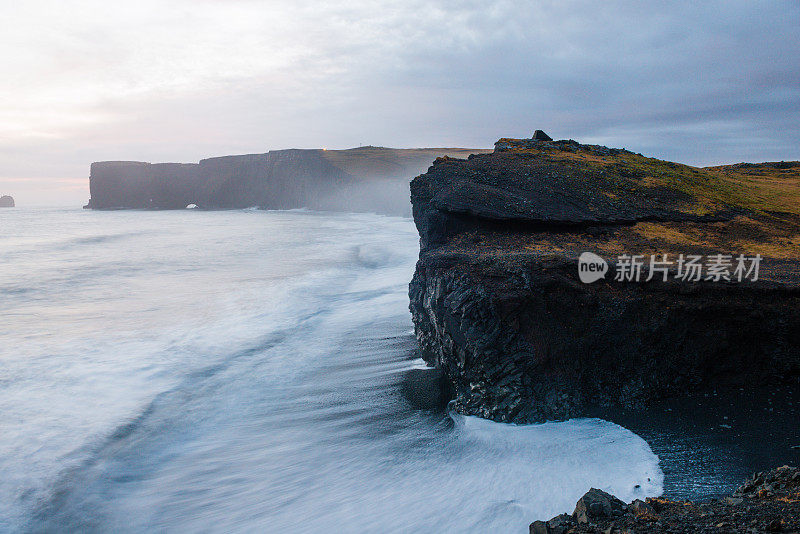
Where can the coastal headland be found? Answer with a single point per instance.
(499, 304)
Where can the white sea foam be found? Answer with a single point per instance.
(419, 363)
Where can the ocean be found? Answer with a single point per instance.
(239, 371)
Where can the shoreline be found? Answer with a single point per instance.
(701, 458)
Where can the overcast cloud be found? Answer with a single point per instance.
(178, 80)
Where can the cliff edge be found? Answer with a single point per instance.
(689, 282)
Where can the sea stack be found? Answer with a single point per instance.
(6, 201)
(502, 304)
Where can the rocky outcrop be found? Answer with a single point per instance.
(362, 179)
(6, 201)
(499, 307)
(539, 135)
(750, 509)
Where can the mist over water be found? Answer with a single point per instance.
(244, 371)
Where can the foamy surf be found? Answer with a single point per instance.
(419, 363)
(244, 371)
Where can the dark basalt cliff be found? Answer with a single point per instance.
(6, 201)
(498, 305)
(360, 179)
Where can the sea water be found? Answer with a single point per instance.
(239, 371)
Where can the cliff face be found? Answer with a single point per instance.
(133, 184)
(276, 180)
(498, 304)
(362, 179)
(6, 202)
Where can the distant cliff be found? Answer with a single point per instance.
(6, 201)
(359, 179)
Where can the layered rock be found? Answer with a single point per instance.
(361, 179)
(498, 304)
(6, 201)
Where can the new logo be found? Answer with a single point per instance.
(591, 267)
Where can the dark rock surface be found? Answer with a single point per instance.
(498, 306)
(770, 483)
(532, 185)
(525, 341)
(6, 201)
(597, 504)
(768, 502)
(362, 179)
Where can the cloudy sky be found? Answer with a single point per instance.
(178, 80)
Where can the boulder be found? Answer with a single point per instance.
(539, 135)
(765, 484)
(597, 504)
(643, 510)
(6, 202)
(560, 524)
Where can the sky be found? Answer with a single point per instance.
(178, 80)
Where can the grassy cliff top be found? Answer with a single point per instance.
(759, 187)
(539, 199)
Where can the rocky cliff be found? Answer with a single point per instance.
(134, 184)
(498, 303)
(360, 179)
(6, 201)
